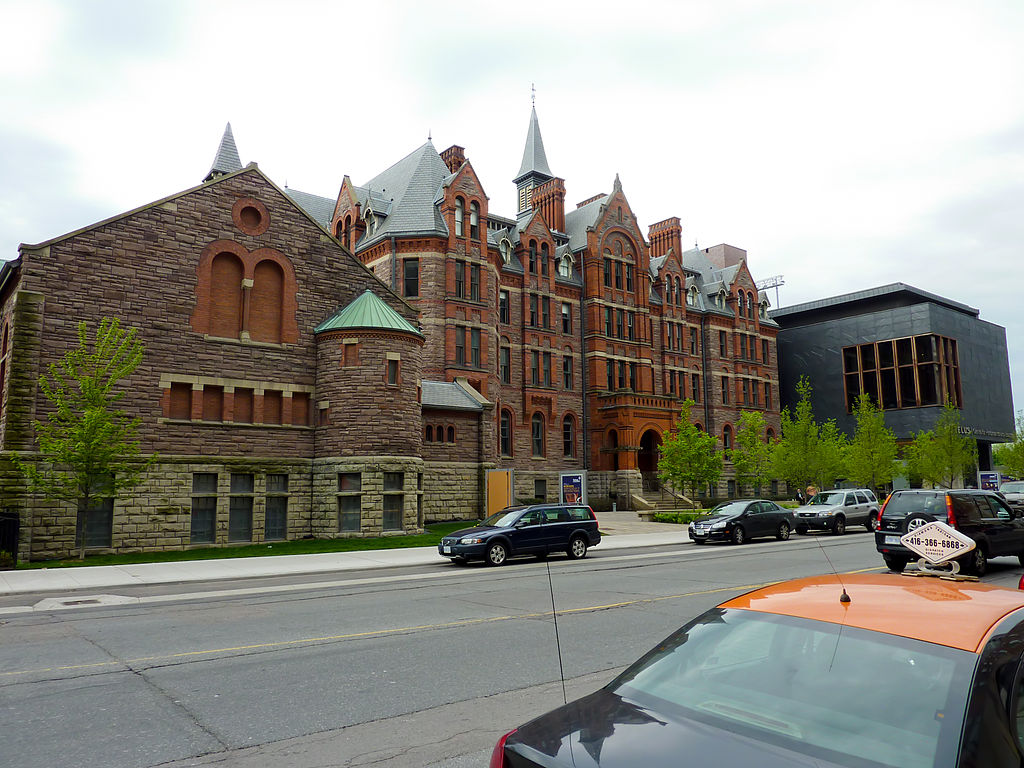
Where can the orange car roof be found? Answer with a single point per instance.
(958, 614)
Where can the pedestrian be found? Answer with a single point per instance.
(799, 497)
(812, 491)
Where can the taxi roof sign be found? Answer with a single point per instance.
(937, 542)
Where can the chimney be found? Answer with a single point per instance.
(454, 157)
(723, 255)
(549, 200)
(666, 236)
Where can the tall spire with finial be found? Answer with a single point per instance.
(534, 170)
(226, 159)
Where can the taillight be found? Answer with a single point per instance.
(1020, 584)
(498, 755)
(950, 517)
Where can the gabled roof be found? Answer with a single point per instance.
(367, 311)
(578, 220)
(535, 162)
(320, 208)
(410, 186)
(226, 160)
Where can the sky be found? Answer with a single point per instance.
(843, 145)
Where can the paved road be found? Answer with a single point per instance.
(419, 666)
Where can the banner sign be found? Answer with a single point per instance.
(573, 487)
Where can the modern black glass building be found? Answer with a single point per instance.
(910, 350)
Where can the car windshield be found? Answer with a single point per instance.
(1016, 487)
(838, 694)
(828, 498)
(728, 508)
(503, 519)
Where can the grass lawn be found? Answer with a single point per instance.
(299, 547)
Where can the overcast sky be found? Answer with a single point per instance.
(844, 145)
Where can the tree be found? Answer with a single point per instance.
(88, 447)
(943, 455)
(871, 456)
(1010, 456)
(807, 453)
(752, 456)
(689, 457)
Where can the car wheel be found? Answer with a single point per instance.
(915, 521)
(894, 564)
(783, 533)
(738, 535)
(977, 562)
(802, 530)
(872, 523)
(497, 554)
(577, 548)
(839, 526)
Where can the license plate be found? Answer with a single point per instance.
(446, 550)
(892, 539)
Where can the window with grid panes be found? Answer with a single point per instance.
(609, 367)
(474, 347)
(566, 318)
(533, 309)
(276, 523)
(547, 369)
(394, 500)
(204, 508)
(350, 502)
(607, 321)
(567, 372)
(474, 282)
(535, 367)
(504, 311)
(240, 506)
(460, 345)
(505, 365)
(460, 279)
(618, 275)
(630, 320)
(545, 312)
(411, 277)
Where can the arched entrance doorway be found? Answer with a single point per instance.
(647, 459)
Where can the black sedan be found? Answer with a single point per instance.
(815, 673)
(743, 519)
(539, 530)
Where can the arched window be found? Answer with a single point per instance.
(699, 426)
(505, 433)
(537, 434)
(459, 215)
(451, 434)
(727, 437)
(679, 293)
(769, 436)
(505, 246)
(739, 304)
(691, 297)
(544, 258)
(533, 256)
(568, 436)
(428, 434)
(668, 290)
(565, 267)
(474, 220)
(226, 296)
(266, 302)
(750, 306)
(347, 232)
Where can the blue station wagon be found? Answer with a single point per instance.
(538, 529)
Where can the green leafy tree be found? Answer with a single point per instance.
(88, 448)
(943, 455)
(752, 456)
(807, 453)
(689, 457)
(871, 457)
(1010, 456)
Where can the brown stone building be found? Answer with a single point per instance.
(354, 366)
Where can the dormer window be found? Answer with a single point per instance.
(371, 221)
(565, 267)
(720, 300)
(762, 309)
(691, 296)
(505, 248)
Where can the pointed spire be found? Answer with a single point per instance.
(226, 160)
(535, 162)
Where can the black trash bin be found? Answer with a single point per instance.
(9, 524)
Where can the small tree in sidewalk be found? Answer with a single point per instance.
(689, 457)
(752, 456)
(88, 447)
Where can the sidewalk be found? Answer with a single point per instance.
(620, 530)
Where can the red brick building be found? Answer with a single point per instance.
(354, 366)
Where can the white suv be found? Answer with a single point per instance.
(834, 510)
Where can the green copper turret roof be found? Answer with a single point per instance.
(368, 311)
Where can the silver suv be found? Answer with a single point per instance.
(834, 510)
(1013, 492)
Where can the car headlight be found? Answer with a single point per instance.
(827, 513)
(471, 541)
(717, 526)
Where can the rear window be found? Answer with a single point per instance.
(903, 504)
(838, 694)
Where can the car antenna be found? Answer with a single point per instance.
(845, 597)
(558, 644)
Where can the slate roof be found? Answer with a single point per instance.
(226, 160)
(901, 292)
(320, 208)
(577, 221)
(410, 186)
(447, 395)
(535, 162)
(367, 311)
